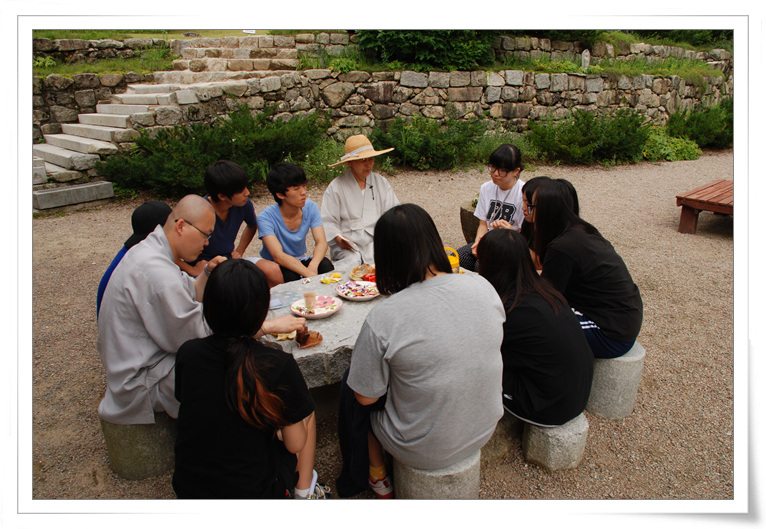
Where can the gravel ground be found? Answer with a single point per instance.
(677, 444)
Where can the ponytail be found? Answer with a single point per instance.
(246, 393)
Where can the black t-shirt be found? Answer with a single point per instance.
(219, 455)
(586, 269)
(547, 362)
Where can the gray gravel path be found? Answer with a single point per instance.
(678, 443)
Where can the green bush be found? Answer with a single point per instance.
(711, 127)
(661, 147)
(173, 161)
(584, 138)
(433, 49)
(425, 144)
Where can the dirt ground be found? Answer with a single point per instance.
(678, 444)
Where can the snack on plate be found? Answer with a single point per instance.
(358, 272)
(282, 336)
(353, 289)
(332, 278)
(307, 338)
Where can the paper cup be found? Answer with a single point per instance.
(311, 300)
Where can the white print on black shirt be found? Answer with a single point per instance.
(500, 211)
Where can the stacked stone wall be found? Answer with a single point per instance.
(360, 100)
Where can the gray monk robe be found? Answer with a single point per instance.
(353, 212)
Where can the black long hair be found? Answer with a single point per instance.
(235, 303)
(505, 262)
(407, 244)
(554, 214)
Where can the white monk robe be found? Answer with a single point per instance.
(352, 212)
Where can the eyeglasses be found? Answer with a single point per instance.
(502, 173)
(207, 235)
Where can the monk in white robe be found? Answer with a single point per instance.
(352, 204)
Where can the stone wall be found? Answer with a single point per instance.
(361, 100)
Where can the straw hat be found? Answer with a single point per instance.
(358, 147)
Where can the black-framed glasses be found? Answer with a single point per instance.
(502, 173)
(207, 235)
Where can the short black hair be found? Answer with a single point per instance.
(284, 175)
(225, 178)
(506, 157)
(407, 244)
(235, 301)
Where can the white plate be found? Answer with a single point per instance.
(325, 306)
(357, 290)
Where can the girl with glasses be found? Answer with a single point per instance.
(500, 200)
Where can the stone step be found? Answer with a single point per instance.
(69, 195)
(135, 99)
(144, 99)
(105, 120)
(190, 78)
(61, 175)
(64, 157)
(152, 88)
(39, 176)
(239, 53)
(124, 110)
(235, 65)
(100, 132)
(80, 144)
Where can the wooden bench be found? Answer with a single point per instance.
(717, 196)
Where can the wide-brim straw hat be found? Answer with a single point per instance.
(358, 147)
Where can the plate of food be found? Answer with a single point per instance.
(358, 272)
(358, 290)
(325, 306)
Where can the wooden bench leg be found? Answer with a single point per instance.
(688, 222)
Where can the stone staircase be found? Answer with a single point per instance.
(205, 65)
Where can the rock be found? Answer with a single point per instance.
(336, 94)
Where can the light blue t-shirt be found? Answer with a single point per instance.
(270, 222)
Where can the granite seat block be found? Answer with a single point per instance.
(455, 482)
(556, 448)
(615, 384)
(139, 451)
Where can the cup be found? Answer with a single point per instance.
(311, 300)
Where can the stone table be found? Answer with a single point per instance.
(324, 364)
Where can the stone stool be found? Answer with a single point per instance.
(138, 451)
(455, 482)
(556, 448)
(615, 384)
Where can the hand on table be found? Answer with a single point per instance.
(283, 324)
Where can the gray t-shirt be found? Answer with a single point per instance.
(434, 348)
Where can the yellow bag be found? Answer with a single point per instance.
(454, 260)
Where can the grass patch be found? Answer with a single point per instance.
(159, 58)
(122, 34)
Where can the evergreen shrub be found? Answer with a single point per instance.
(583, 138)
(433, 49)
(172, 162)
(711, 127)
(425, 144)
